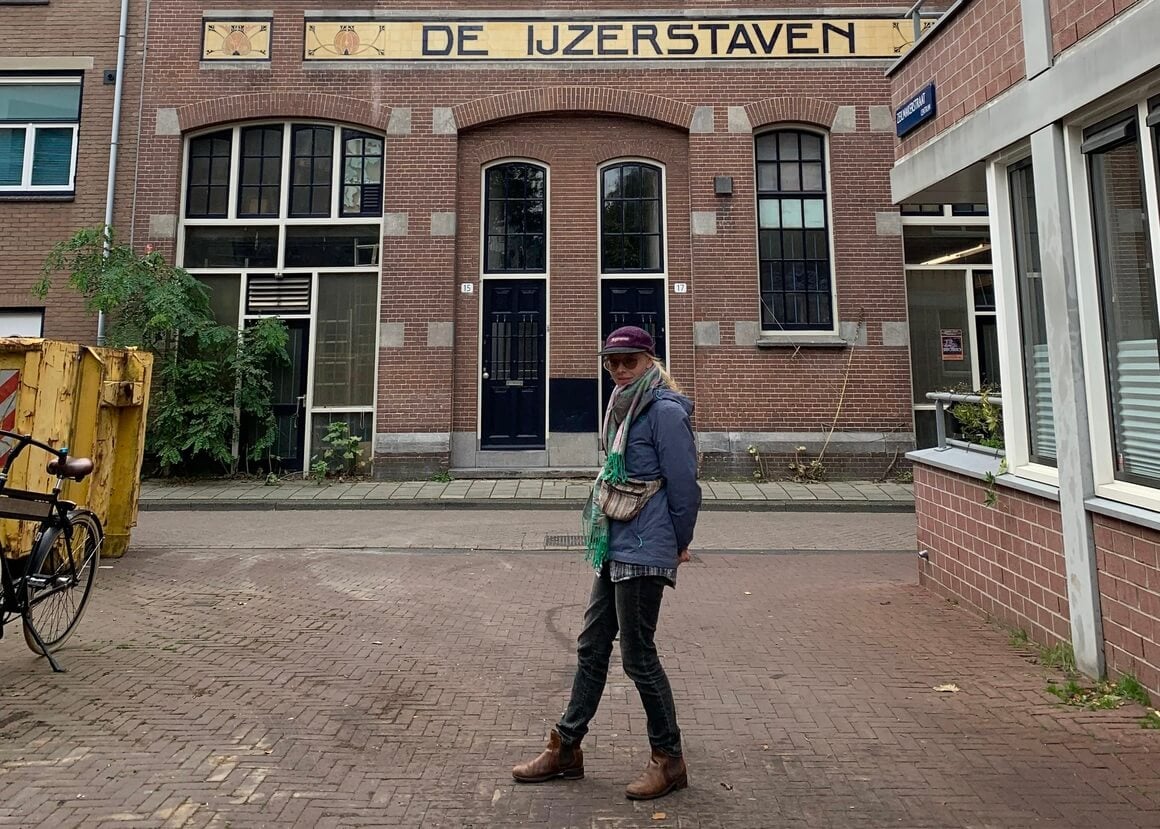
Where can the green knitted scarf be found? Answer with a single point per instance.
(623, 408)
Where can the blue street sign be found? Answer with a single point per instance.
(919, 109)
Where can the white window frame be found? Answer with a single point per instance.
(1091, 323)
(32, 127)
(282, 222)
(1016, 434)
(21, 320)
(827, 152)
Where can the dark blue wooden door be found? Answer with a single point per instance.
(513, 377)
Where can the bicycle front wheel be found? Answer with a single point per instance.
(60, 579)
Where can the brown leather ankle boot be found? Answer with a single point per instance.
(663, 774)
(557, 760)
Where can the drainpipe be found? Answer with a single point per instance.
(114, 139)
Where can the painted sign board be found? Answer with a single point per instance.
(919, 109)
(605, 38)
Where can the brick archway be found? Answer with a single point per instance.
(800, 110)
(573, 99)
(264, 105)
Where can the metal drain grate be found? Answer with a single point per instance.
(563, 541)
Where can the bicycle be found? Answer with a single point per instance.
(41, 587)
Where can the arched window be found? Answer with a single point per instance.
(793, 232)
(515, 218)
(631, 219)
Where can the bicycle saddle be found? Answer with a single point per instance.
(75, 468)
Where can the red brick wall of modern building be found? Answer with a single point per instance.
(30, 225)
(1073, 20)
(1128, 557)
(738, 388)
(971, 59)
(1007, 561)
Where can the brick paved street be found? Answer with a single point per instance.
(321, 688)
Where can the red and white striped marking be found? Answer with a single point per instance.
(9, 392)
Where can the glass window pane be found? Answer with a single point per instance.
(344, 345)
(790, 177)
(769, 242)
(40, 102)
(231, 247)
(937, 303)
(224, 296)
(612, 183)
(358, 424)
(811, 147)
(11, 156)
(767, 177)
(816, 245)
(351, 198)
(332, 246)
(652, 253)
(787, 146)
(52, 156)
(984, 289)
(812, 180)
(815, 213)
(1131, 328)
(612, 218)
(767, 147)
(791, 213)
(769, 213)
(939, 245)
(651, 217)
(651, 183)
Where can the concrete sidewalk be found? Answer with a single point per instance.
(839, 496)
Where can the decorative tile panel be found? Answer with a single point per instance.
(236, 40)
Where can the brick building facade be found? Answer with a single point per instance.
(1050, 113)
(450, 208)
(56, 114)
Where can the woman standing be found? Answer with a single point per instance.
(648, 437)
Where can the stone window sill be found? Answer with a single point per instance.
(801, 340)
(36, 197)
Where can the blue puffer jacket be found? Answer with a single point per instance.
(660, 445)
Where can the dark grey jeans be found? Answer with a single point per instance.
(631, 607)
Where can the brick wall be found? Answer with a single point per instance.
(1073, 20)
(1128, 557)
(31, 225)
(1005, 560)
(971, 59)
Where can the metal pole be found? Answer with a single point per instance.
(940, 424)
(114, 140)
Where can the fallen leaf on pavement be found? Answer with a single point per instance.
(949, 688)
(727, 786)
(659, 816)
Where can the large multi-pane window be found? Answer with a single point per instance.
(1032, 316)
(1127, 292)
(250, 161)
(631, 219)
(285, 220)
(38, 133)
(793, 232)
(515, 218)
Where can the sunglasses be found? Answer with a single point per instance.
(629, 361)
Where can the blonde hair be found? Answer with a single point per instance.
(666, 377)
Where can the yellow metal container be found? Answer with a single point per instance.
(92, 400)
